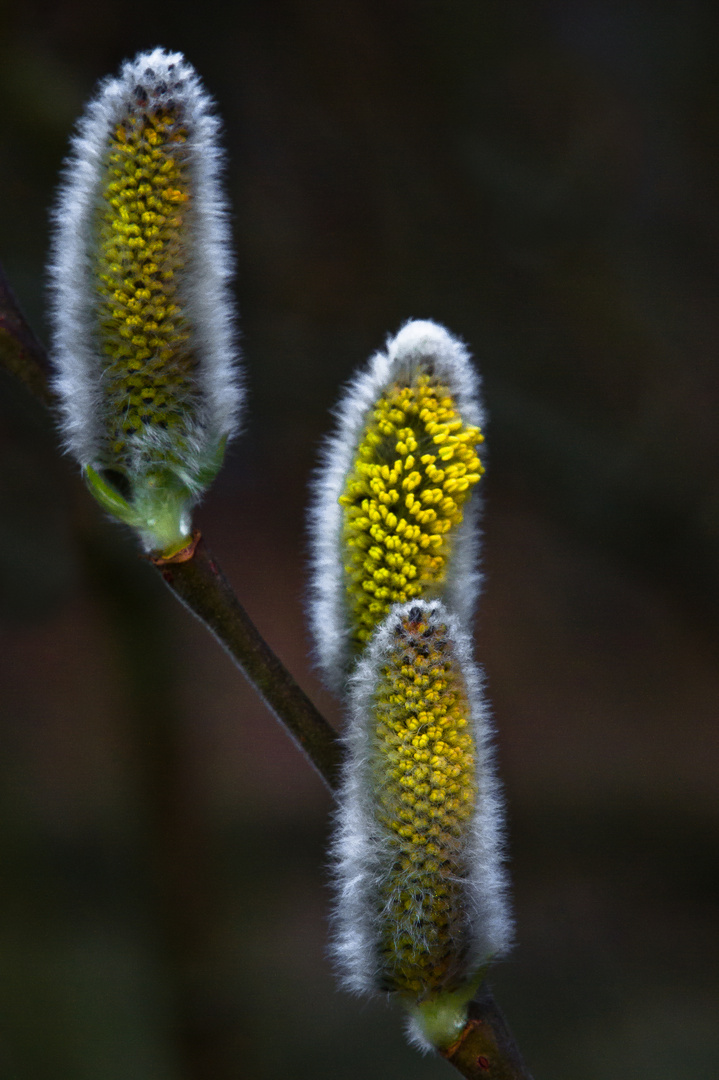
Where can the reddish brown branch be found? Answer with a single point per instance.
(202, 587)
(486, 1049)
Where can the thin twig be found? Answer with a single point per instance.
(486, 1049)
(201, 586)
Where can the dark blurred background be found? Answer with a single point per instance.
(543, 178)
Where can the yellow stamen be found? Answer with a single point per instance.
(410, 429)
(423, 766)
(144, 331)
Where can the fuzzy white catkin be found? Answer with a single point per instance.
(152, 80)
(420, 345)
(366, 847)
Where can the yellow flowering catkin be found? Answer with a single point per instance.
(423, 766)
(144, 332)
(144, 347)
(420, 887)
(415, 468)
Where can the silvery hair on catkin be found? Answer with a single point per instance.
(362, 854)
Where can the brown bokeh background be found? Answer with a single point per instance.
(543, 178)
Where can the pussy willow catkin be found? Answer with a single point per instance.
(390, 520)
(143, 340)
(420, 883)
(415, 467)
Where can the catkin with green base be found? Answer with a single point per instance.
(420, 884)
(143, 342)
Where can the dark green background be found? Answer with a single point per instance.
(543, 178)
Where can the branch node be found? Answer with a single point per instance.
(183, 555)
(450, 1051)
